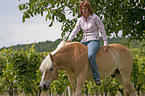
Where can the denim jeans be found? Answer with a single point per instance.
(93, 47)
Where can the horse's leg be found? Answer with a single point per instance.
(128, 86)
(118, 78)
(80, 82)
(73, 82)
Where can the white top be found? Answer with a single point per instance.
(90, 29)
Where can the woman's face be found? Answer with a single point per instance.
(85, 11)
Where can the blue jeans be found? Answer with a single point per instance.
(93, 47)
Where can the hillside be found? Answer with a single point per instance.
(49, 46)
(39, 47)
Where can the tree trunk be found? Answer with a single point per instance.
(105, 91)
(10, 89)
(50, 94)
(142, 92)
(138, 89)
(16, 91)
(101, 93)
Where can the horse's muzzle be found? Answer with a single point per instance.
(44, 87)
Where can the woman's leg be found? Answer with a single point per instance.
(93, 47)
(84, 43)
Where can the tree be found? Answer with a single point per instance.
(125, 15)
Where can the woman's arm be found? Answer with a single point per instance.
(75, 30)
(101, 28)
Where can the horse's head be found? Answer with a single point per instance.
(50, 72)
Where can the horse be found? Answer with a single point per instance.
(73, 60)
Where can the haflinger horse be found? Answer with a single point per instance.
(73, 60)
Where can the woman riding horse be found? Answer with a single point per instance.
(90, 24)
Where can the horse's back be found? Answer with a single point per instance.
(116, 53)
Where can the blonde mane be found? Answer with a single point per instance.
(61, 45)
(47, 62)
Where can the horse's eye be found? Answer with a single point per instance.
(51, 69)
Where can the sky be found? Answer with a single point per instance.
(35, 29)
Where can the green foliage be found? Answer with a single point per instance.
(110, 84)
(138, 72)
(92, 88)
(2, 64)
(7, 77)
(20, 69)
(118, 15)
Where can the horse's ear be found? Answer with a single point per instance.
(51, 57)
(43, 57)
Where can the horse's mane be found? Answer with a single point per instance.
(47, 63)
(61, 45)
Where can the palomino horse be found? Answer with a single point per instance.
(73, 59)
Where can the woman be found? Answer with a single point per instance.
(90, 23)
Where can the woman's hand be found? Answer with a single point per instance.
(106, 48)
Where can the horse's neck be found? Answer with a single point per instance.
(60, 61)
(67, 56)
